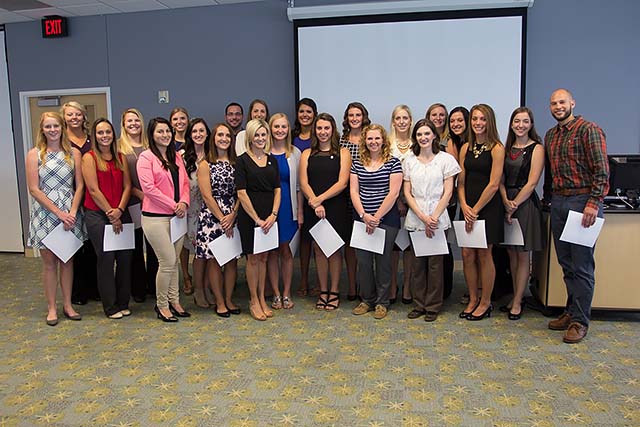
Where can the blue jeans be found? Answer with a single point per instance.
(577, 261)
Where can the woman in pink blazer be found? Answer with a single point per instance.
(164, 182)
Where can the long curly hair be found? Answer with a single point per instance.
(190, 157)
(365, 155)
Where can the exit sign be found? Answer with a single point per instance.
(54, 26)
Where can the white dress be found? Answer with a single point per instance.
(427, 186)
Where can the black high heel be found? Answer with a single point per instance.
(177, 313)
(487, 313)
(464, 314)
(513, 316)
(162, 316)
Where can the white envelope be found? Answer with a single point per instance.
(265, 242)
(62, 243)
(326, 237)
(117, 242)
(402, 239)
(513, 233)
(368, 242)
(425, 246)
(178, 228)
(294, 244)
(574, 232)
(136, 215)
(225, 249)
(477, 238)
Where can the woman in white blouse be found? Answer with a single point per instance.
(428, 185)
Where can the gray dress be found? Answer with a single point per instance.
(517, 165)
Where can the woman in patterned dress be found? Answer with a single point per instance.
(356, 117)
(196, 147)
(218, 214)
(54, 179)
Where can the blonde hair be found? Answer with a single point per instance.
(124, 142)
(41, 139)
(288, 147)
(252, 128)
(444, 136)
(365, 156)
(392, 128)
(83, 110)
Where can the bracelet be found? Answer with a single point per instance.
(274, 213)
(120, 209)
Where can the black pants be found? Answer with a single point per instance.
(84, 275)
(114, 291)
(143, 279)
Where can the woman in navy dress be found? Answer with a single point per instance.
(290, 214)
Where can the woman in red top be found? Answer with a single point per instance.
(108, 186)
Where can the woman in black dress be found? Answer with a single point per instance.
(324, 173)
(258, 185)
(482, 160)
(523, 166)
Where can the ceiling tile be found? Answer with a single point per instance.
(232, 1)
(7, 17)
(41, 13)
(187, 3)
(91, 9)
(62, 3)
(135, 5)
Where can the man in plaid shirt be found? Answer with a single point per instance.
(579, 171)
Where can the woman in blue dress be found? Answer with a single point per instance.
(290, 214)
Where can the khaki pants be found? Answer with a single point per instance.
(157, 230)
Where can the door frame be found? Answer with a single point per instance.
(25, 119)
(25, 113)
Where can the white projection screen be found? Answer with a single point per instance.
(459, 58)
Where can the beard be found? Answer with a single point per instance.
(566, 115)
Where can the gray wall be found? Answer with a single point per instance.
(209, 56)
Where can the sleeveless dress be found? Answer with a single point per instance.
(260, 183)
(478, 172)
(517, 165)
(287, 227)
(57, 182)
(193, 211)
(223, 190)
(323, 170)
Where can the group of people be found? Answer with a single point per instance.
(227, 180)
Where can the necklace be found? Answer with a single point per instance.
(478, 150)
(403, 146)
(518, 152)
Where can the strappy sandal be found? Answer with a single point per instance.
(287, 303)
(322, 302)
(333, 302)
(276, 304)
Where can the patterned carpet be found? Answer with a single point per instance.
(306, 368)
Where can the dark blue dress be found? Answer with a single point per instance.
(287, 227)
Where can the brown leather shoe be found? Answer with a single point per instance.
(561, 323)
(575, 333)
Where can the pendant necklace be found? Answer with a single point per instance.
(478, 150)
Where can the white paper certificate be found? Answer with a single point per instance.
(178, 228)
(326, 237)
(62, 243)
(402, 239)
(513, 233)
(574, 232)
(225, 249)
(368, 242)
(477, 238)
(118, 242)
(294, 244)
(425, 246)
(265, 242)
(136, 215)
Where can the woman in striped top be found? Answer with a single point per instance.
(375, 184)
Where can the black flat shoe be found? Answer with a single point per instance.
(224, 314)
(352, 297)
(139, 299)
(70, 317)
(487, 313)
(407, 300)
(79, 302)
(179, 313)
(235, 311)
(513, 316)
(392, 300)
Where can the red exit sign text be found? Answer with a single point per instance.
(54, 26)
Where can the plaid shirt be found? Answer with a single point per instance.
(577, 160)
